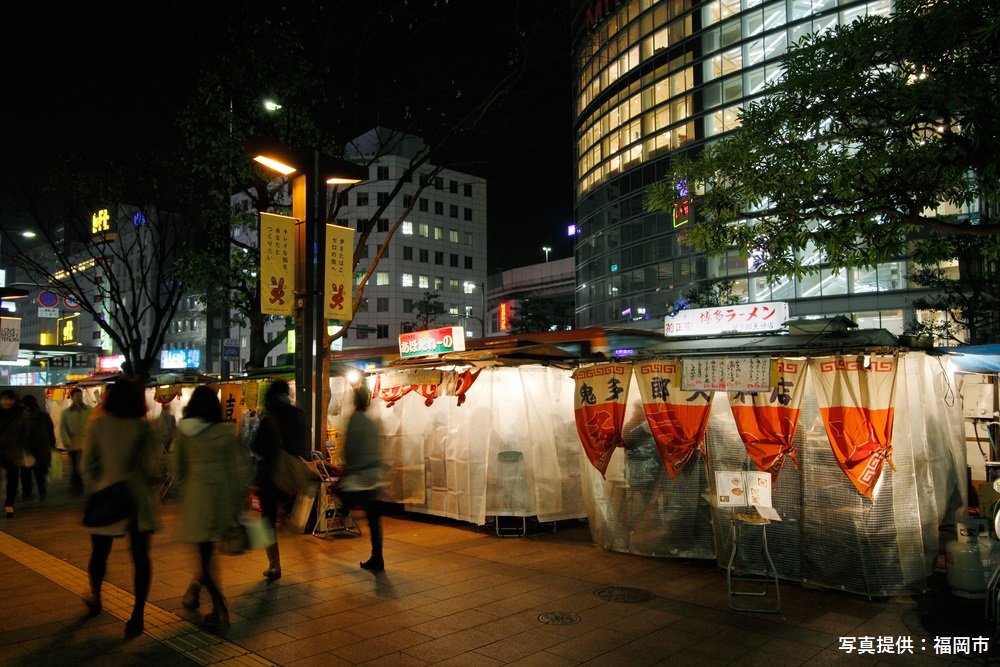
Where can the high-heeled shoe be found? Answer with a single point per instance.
(272, 573)
(191, 599)
(134, 628)
(373, 565)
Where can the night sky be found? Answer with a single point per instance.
(87, 76)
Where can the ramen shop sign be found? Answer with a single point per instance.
(433, 341)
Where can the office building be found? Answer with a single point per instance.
(655, 79)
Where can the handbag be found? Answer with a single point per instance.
(109, 505)
(291, 473)
(28, 461)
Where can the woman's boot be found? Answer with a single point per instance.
(273, 570)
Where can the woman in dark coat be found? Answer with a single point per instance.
(13, 431)
(40, 443)
(282, 427)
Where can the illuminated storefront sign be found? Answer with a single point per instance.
(180, 359)
(433, 341)
(68, 330)
(110, 363)
(743, 318)
(504, 316)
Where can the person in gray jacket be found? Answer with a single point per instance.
(363, 472)
(210, 484)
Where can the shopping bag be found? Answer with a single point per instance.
(292, 473)
(259, 532)
(56, 467)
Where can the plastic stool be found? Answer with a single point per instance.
(771, 576)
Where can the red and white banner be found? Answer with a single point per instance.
(855, 397)
(767, 420)
(677, 418)
(599, 406)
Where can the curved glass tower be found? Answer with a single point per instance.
(655, 78)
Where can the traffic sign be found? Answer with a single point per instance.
(48, 299)
(231, 348)
(48, 312)
(70, 301)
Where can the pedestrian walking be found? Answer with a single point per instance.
(282, 427)
(41, 440)
(120, 446)
(208, 477)
(72, 429)
(361, 480)
(13, 432)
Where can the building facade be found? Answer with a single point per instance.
(655, 79)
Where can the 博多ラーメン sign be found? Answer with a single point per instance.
(432, 341)
(743, 318)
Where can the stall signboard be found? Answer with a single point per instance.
(742, 318)
(180, 359)
(430, 342)
(726, 374)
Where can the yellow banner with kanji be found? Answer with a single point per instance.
(338, 260)
(277, 264)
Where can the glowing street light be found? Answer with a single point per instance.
(311, 173)
(547, 251)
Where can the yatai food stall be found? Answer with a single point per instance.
(862, 440)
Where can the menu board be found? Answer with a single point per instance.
(739, 488)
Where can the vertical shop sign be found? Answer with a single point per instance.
(338, 288)
(599, 407)
(277, 264)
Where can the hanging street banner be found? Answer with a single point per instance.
(10, 338)
(856, 398)
(277, 264)
(338, 286)
(599, 408)
(677, 418)
(767, 420)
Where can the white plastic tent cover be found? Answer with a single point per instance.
(830, 534)
(510, 450)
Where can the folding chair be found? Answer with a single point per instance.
(331, 516)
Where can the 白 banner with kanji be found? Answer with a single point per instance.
(338, 288)
(277, 264)
(855, 396)
(677, 418)
(599, 406)
(767, 420)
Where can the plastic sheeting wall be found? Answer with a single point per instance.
(830, 534)
(510, 450)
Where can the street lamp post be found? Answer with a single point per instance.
(547, 251)
(309, 199)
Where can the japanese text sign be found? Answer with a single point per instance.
(338, 288)
(433, 341)
(742, 318)
(277, 264)
(726, 374)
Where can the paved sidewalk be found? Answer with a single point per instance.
(452, 594)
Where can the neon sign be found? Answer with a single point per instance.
(432, 341)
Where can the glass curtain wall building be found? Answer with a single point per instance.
(654, 79)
